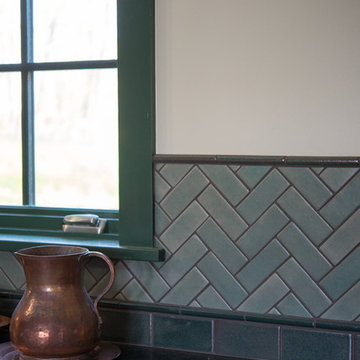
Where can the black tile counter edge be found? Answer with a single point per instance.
(11, 299)
(313, 161)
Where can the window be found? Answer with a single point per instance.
(129, 231)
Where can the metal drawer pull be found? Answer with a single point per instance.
(83, 223)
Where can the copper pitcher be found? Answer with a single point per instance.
(56, 317)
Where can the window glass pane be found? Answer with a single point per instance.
(74, 30)
(10, 139)
(76, 137)
(10, 31)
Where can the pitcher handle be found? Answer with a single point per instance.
(110, 283)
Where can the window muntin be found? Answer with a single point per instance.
(69, 116)
(130, 231)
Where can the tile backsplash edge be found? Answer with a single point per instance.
(315, 161)
(220, 332)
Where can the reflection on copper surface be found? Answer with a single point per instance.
(30, 308)
(43, 335)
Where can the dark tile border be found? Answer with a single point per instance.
(300, 344)
(178, 328)
(8, 302)
(313, 161)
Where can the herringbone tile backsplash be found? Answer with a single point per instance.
(262, 239)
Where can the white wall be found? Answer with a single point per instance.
(258, 77)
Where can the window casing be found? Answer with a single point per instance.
(129, 232)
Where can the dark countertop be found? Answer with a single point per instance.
(129, 352)
(133, 352)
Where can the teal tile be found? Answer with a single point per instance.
(263, 231)
(161, 187)
(314, 345)
(211, 299)
(12, 268)
(304, 287)
(251, 175)
(274, 311)
(317, 170)
(162, 221)
(305, 217)
(89, 280)
(183, 260)
(292, 306)
(222, 280)
(306, 254)
(263, 264)
(308, 184)
(97, 267)
(149, 278)
(335, 178)
(135, 292)
(119, 297)
(266, 296)
(357, 347)
(184, 193)
(222, 212)
(343, 240)
(5, 284)
(186, 289)
(249, 341)
(125, 326)
(183, 227)
(343, 276)
(173, 173)
(122, 277)
(262, 196)
(347, 307)
(226, 182)
(344, 203)
(158, 166)
(182, 333)
(195, 304)
(221, 245)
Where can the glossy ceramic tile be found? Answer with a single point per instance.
(233, 234)
(315, 345)
(127, 327)
(182, 333)
(246, 340)
(262, 196)
(308, 184)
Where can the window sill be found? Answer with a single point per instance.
(111, 247)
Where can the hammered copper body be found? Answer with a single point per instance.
(56, 317)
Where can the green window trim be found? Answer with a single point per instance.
(129, 233)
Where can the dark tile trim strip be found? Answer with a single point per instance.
(216, 314)
(337, 325)
(239, 316)
(281, 320)
(313, 161)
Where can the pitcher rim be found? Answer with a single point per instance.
(76, 251)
